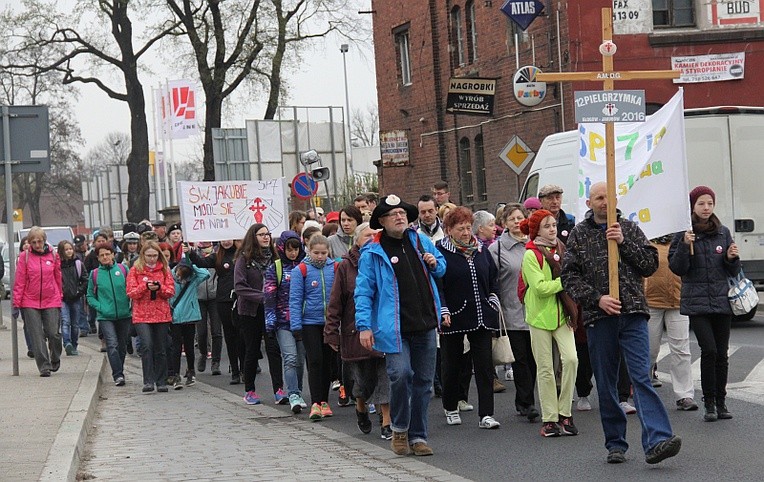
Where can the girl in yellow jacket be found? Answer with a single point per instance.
(545, 313)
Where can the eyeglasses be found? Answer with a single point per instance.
(395, 214)
(264, 235)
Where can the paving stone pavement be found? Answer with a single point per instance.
(208, 434)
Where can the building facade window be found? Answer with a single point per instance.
(404, 59)
(457, 36)
(472, 34)
(514, 32)
(673, 13)
(465, 171)
(482, 188)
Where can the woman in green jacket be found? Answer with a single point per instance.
(547, 315)
(107, 295)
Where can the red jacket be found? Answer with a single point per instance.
(38, 280)
(146, 310)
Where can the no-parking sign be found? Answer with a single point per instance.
(304, 186)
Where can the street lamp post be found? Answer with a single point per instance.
(344, 50)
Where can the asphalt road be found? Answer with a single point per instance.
(516, 451)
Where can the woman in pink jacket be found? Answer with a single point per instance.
(150, 285)
(37, 292)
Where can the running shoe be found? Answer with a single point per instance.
(550, 429)
(372, 408)
(344, 400)
(627, 408)
(364, 423)
(251, 398)
(336, 385)
(463, 406)
(386, 432)
(453, 417)
(120, 381)
(281, 397)
(294, 403)
(325, 410)
(315, 412)
(509, 374)
(583, 404)
(488, 422)
(567, 427)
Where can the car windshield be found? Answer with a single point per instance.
(54, 235)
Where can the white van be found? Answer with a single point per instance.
(725, 151)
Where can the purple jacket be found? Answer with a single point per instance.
(277, 290)
(248, 284)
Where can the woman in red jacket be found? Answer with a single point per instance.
(150, 285)
(37, 292)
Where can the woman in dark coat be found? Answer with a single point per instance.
(471, 308)
(704, 273)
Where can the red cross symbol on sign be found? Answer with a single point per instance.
(257, 208)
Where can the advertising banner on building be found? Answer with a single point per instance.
(471, 96)
(709, 68)
(736, 12)
(220, 210)
(632, 17)
(651, 169)
(395, 148)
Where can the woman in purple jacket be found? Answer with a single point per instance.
(254, 257)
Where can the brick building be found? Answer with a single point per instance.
(421, 46)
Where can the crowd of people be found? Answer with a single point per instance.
(389, 303)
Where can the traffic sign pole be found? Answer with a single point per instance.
(9, 222)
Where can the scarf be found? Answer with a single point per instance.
(314, 263)
(430, 232)
(711, 226)
(466, 249)
(539, 241)
(263, 261)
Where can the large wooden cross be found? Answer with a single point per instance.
(607, 76)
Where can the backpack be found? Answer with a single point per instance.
(78, 266)
(304, 269)
(279, 271)
(521, 286)
(94, 275)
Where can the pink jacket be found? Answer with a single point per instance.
(38, 280)
(146, 310)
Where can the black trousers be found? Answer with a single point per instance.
(251, 329)
(452, 348)
(713, 335)
(209, 327)
(523, 368)
(273, 352)
(319, 357)
(182, 338)
(233, 342)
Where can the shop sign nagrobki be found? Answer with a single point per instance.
(471, 96)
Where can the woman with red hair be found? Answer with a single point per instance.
(470, 306)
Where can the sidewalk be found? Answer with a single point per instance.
(44, 419)
(205, 433)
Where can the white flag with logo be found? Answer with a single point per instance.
(651, 169)
(180, 109)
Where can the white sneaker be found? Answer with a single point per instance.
(627, 408)
(583, 404)
(463, 406)
(488, 422)
(453, 418)
(509, 375)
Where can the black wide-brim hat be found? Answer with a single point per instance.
(387, 204)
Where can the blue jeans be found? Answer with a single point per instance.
(116, 335)
(82, 320)
(153, 352)
(293, 361)
(411, 375)
(609, 338)
(70, 315)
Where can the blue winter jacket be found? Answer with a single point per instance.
(187, 310)
(309, 295)
(376, 291)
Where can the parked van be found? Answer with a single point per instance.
(730, 139)
(55, 234)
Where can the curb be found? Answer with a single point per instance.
(66, 453)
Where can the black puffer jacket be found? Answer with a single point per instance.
(223, 273)
(704, 275)
(585, 268)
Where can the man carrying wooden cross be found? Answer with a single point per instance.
(616, 324)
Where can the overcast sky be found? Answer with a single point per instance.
(318, 82)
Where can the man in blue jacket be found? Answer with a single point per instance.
(397, 313)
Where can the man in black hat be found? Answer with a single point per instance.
(397, 313)
(160, 227)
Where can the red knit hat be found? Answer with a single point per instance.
(530, 226)
(699, 191)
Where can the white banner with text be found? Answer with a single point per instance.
(220, 210)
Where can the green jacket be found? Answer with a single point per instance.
(110, 299)
(543, 309)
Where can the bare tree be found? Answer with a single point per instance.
(114, 149)
(232, 40)
(93, 49)
(43, 88)
(364, 126)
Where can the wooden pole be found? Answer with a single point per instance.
(612, 246)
